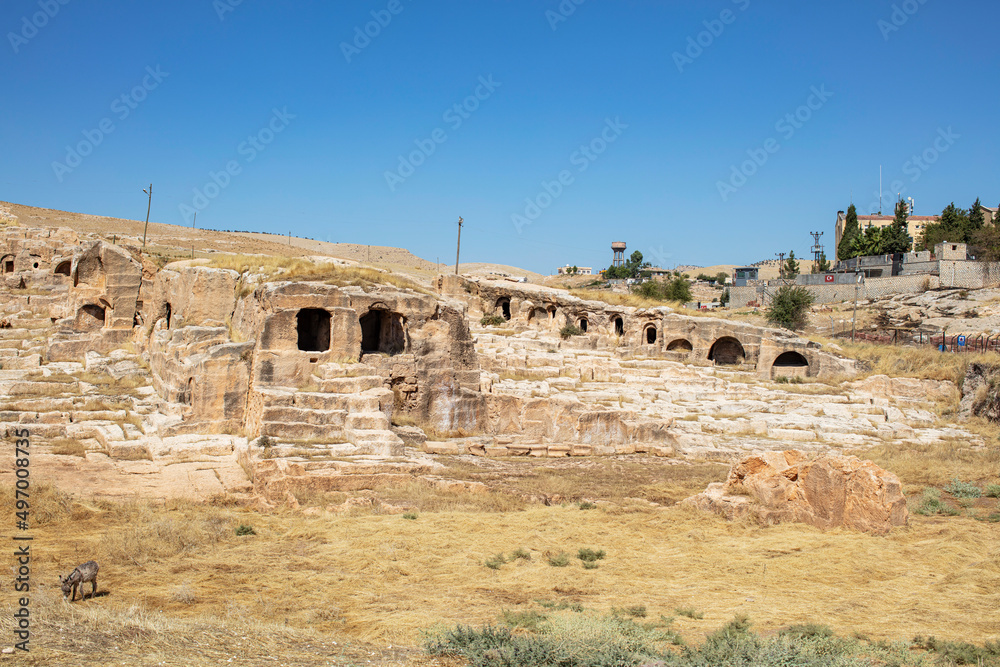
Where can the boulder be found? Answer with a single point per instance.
(826, 491)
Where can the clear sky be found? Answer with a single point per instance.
(698, 132)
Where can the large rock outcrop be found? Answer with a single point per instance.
(827, 491)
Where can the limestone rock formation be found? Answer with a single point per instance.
(827, 491)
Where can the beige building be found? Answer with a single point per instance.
(580, 270)
(915, 225)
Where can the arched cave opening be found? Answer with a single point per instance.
(727, 351)
(63, 268)
(650, 335)
(619, 326)
(680, 345)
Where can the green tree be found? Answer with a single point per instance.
(977, 217)
(851, 230)
(986, 243)
(721, 277)
(789, 307)
(895, 237)
(677, 290)
(791, 266)
(823, 265)
(867, 244)
(953, 226)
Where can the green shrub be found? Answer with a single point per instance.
(244, 529)
(558, 560)
(689, 612)
(586, 505)
(588, 555)
(789, 307)
(961, 489)
(492, 321)
(520, 554)
(529, 620)
(410, 516)
(495, 562)
(992, 491)
(931, 503)
(807, 630)
(638, 611)
(570, 330)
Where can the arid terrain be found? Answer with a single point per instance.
(290, 452)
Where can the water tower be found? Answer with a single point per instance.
(618, 247)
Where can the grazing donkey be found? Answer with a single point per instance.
(80, 575)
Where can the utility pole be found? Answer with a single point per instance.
(854, 320)
(817, 248)
(194, 222)
(458, 250)
(781, 264)
(148, 207)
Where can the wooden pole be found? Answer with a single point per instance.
(458, 250)
(148, 207)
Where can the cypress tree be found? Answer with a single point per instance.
(851, 230)
(896, 238)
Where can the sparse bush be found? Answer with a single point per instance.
(590, 565)
(570, 330)
(689, 612)
(992, 491)
(520, 554)
(588, 555)
(529, 620)
(586, 505)
(807, 631)
(931, 503)
(492, 321)
(243, 529)
(790, 307)
(638, 611)
(961, 489)
(410, 516)
(265, 442)
(495, 562)
(560, 559)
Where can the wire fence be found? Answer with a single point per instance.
(957, 343)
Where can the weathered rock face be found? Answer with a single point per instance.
(826, 492)
(107, 280)
(980, 393)
(648, 331)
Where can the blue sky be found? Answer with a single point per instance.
(698, 132)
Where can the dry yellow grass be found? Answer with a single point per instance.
(950, 459)
(904, 361)
(170, 572)
(297, 268)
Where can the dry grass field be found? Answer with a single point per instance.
(178, 586)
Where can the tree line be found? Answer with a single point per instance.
(956, 225)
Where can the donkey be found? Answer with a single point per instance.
(79, 576)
